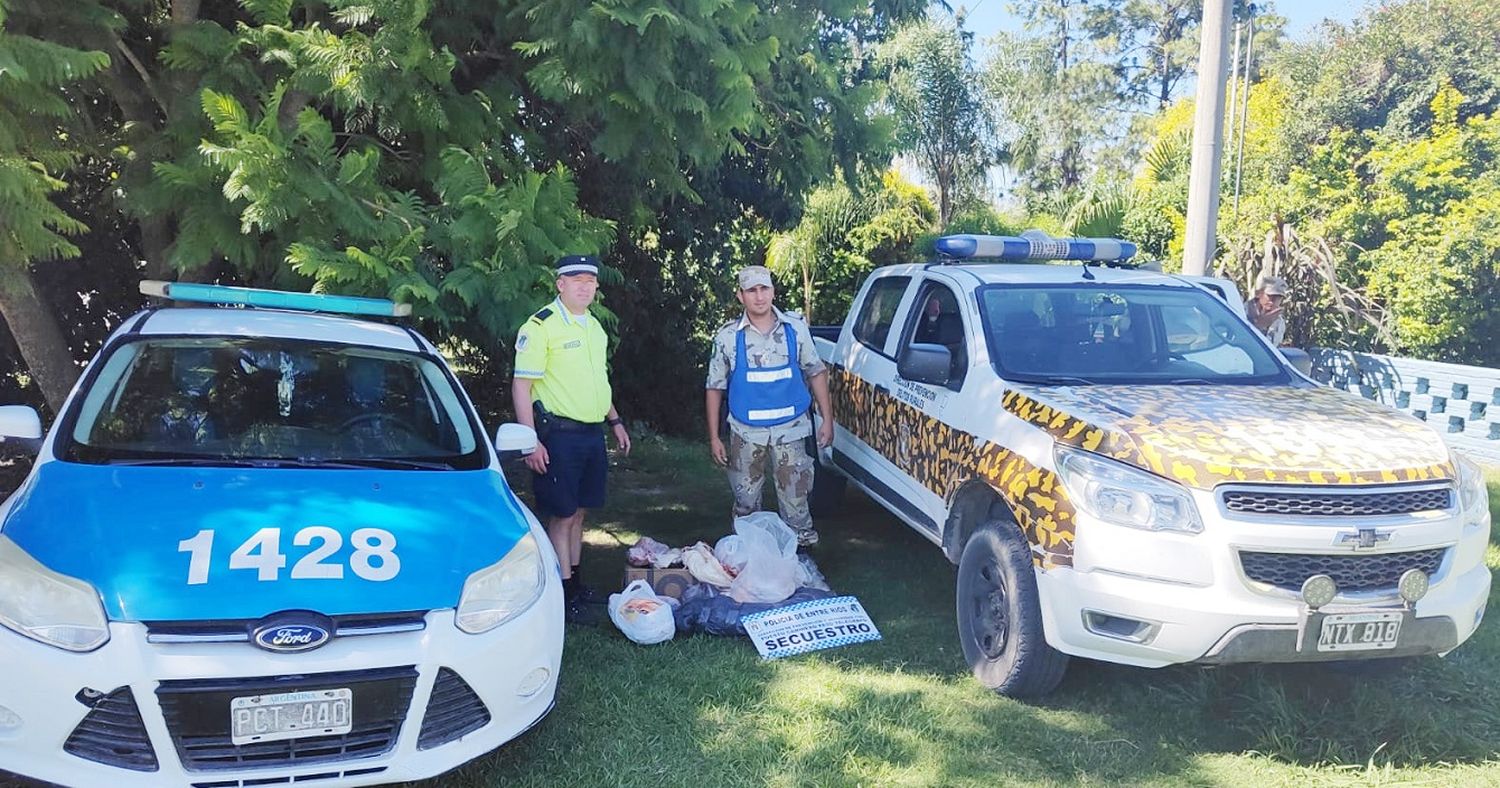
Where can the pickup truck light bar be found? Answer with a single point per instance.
(274, 299)
(1033, 245)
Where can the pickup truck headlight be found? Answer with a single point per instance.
(46, 606)
(1473, 496)
(1121, 495)
(503, 590)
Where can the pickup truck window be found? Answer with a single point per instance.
(1085, 334)
(936, 320)
(878, 311)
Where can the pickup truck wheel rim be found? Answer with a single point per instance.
(990, 610)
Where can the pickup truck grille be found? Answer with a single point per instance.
(1351, 572)
(1336, 503)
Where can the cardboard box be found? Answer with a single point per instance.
(665, 582)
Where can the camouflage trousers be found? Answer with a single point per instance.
(791, 469)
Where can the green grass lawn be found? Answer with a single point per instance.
(707, 711)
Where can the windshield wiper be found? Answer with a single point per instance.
(1191, 382)
(1055, 380)
(388, 463)
(197, 462)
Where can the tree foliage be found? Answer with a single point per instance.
(941, 117)
(445, 152)
(1369, 182)
(844, 235)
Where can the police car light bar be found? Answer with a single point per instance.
(1033, 246)
(274, 299)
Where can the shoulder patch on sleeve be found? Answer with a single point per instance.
(545, 313)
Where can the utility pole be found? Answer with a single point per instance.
(1208, 139)
(1244, 110)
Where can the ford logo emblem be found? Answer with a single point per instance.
(292, 631)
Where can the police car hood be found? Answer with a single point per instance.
(131, 531)
(1204, 435)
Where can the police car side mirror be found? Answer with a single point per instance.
(925, 363)
(20, 430)
(513, 441)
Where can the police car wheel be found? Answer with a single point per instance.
(999, 617)
(827, 491)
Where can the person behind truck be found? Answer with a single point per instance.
(1264, 310)
(561, 389)
(766, 364)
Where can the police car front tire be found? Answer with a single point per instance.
(1000, 617)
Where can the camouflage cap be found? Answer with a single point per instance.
(755, 276)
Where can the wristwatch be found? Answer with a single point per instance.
(615, 422)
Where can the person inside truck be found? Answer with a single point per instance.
(940, 324)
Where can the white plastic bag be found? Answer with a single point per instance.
(768, 575)
(731, 553)
(701, 563)
(643, 616)
(783, 538)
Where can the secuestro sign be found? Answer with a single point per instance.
(810, 626)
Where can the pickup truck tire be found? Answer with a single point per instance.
(827, 491)
(1000, 618)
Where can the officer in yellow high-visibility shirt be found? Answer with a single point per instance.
(561, 389)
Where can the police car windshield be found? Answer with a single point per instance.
(271, 403)
(1093, 333)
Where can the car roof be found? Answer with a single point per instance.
(274, 323)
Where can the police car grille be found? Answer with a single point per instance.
(298, 779)
(1350, 572)
(1246, 500)
(237, 630)
(452, 711)
(197, 714)
(112, 733)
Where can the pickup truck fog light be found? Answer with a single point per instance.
(1119, 627)
(1413, 585)
(1318, 591)
(533, 682)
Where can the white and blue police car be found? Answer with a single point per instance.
(263, 545)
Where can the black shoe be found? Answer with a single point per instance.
(587, 595)
(582, 614)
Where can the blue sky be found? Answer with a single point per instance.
(1303, 16)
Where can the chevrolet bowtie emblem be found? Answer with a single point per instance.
(1363, 539)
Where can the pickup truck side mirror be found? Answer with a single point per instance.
(925, 363)
(20, 430)
(513, 441)
(1298, 358)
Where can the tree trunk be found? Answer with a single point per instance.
(807, 293)
(156, 238)
(41, 342)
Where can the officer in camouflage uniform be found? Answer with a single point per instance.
(766, 365)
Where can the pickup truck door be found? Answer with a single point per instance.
(936, 317)
(864, 404)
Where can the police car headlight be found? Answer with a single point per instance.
(48, 607)
(502, 591)
(1472, 494)
(1119, 494)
